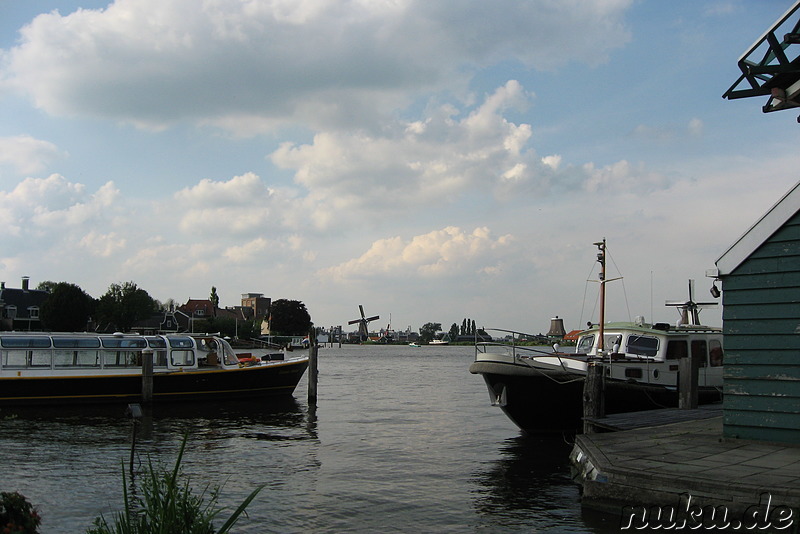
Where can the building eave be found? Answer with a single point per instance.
(753, 238)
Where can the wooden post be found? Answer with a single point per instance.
(688, 369)
(593, 401)
(312, 367)
(147, 376)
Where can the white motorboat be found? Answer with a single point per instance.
(542, 390)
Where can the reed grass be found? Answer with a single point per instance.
(169, 506)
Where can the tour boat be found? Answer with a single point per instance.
(542, 391)
(59, 368)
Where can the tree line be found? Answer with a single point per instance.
(428, 331)
(68, 308)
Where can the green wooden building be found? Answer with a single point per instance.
(760, 276)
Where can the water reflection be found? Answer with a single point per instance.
(530, 482)
(68, 460)
(281, 420)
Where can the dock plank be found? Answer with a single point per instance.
(647, 418)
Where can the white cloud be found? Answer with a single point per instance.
(154, 62)
(435, 160)
(103, 245)
(448, 251)
(247, 251)
(38, 206)
(242, 205)
(26, 154)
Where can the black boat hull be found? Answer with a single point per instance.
(540, 403)
(257, 381)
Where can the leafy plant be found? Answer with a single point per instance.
(168, 506)
(17, 515)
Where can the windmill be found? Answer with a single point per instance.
(690, 310)
(363, 324)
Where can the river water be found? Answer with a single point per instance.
(402, 439)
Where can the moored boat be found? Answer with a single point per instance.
(542, 390)
(59, 368)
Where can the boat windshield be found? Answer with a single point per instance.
(227, 351)
(585, 344)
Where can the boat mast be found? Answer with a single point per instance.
(601, 259)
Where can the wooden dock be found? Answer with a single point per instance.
(646, 418)
(678, 462)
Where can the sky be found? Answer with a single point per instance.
(431, 161)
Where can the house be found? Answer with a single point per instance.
(258, 303)
(163, 322)
(760, 276)
(19, 308)
(254, 307)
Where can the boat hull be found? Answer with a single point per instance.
(540, 401)
(278, 379)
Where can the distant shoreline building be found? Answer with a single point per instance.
(19, 308)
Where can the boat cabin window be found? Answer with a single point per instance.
(156, 343)
(160, 351)
(26, 358)
(22, 351)
(700, 351)
(124, 342)
(181, 343)
(122, 358)
(585, 344)
(64, 357)
(76, 342)
(33, 342)
(677, 349)
(715, 354)
(182, 358)
(642, 345)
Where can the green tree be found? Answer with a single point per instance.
(125, 304)
(453, 332)
(214, 298)
(428, 331)
(67, 308)
(289, 318)
(47, 285)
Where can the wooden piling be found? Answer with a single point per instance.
(593, 397)
(688, 369)
(312, 367)
(147, 376)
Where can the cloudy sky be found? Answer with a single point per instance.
(429, 160)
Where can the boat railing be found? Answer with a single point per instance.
(518, 346)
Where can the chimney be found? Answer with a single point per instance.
(25, 283)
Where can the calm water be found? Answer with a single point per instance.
(402, 440)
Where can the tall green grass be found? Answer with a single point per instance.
(169, 506)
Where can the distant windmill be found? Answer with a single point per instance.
(690, 310)
(363, 324)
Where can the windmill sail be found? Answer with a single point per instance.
(689, 309)
(363, 323)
